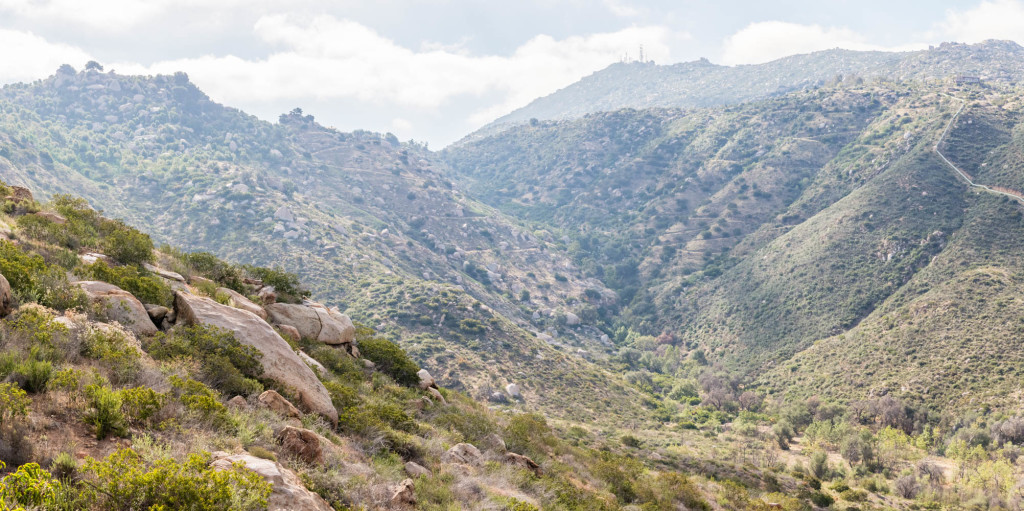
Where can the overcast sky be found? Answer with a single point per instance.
(435, 70)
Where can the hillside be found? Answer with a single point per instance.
(752, 233)
(703, 84)
(373, 225)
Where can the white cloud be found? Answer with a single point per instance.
(28, 57)
(994, 19)
(107, 14)
(769, 40)
(330, 58)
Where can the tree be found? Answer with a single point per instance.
(93, 65)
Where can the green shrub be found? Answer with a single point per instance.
(286, 285)
(14, 403)
(201, 401)
(21, 270)
(821, 499)
(343, 397)
(139, 404)
(529, 434)
(261, 452)
(104, 413)
(32, 375)
(226, 364)
(338, 362)
(212, 267)
(115, 351)
(29, 486)
(389, 358)
(147, 288)
(853, 495)
(473, 425)
(126, 244)
(123, 481)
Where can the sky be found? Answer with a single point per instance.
(435, 70)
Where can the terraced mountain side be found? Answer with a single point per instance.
(703, 84)
(372, 224)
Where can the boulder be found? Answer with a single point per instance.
(238, 402)
(280, 363)
(288, 332)
(523, 462)
(493, 442)
(367, 363)
(276, 402)
(287, 491)
(6, 297)
(426, 380)
(497, 397)
(571, 319)
(463, 453)
(303, 319)
(167, 274)
(404, 494)
(239, 301)
(436, 394)
(302, 443)
(416, 470)
(335, 327)
(514, 391)
(156, 312)
(267, 295)
(119, 305)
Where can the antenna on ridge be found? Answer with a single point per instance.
(641, 54)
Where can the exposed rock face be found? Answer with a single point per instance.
(416, 470)
(404, 494)
(288, 492)
(6, 298)
(239, 301)
(514, 391)
(303, 443)
(92, 257)
(523, 462)
(280, 363)
(276, 402)
(314, 322)
(119, 305)
(463, 453)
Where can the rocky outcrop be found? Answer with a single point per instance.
(493, 442)
(313, 363)
(302, 443)
(6, 297)
(157, 313)
(167, 274)
(239, 301)
(514, 391)
(404, 494)
(276, 402)
(53, 217)
(463, 453)
(426, 380)
(523, 462)
(119, 305)
(314, 322)
(288, 492)
(280, 363)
